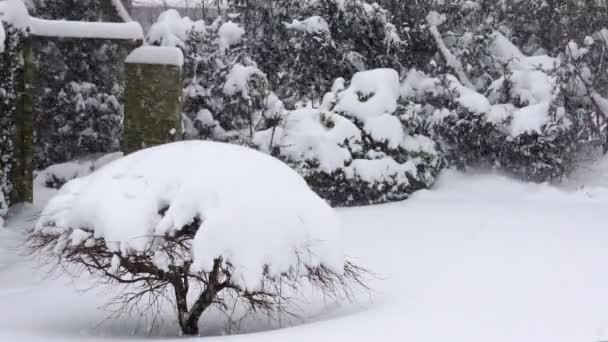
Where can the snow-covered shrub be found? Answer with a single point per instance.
(90, 122)
(303, 46)
(167, 227)
(490, 105)
(546, 26)
(224, 90)
(542, 153)
(62, 63)
(522, 127)
(585, 77)
(354, 150)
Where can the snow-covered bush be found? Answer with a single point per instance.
(585, 77)
(95, 66)
(167, 227)
(90, 122)
(354, 150)
(526, 124)
(545, 26)
(224, 90)
(228, 99)
(303, 46)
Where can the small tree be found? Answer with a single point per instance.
(178, 246)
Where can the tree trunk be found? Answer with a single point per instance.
(190, 327)
(188, 319)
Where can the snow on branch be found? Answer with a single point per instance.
(15, 13)
(435, 20)
(122, 11)
(81, 29)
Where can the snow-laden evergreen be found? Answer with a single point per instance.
(83, 63)
(350, 145)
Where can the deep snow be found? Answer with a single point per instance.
(479, 258)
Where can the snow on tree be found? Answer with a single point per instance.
(228, 99)
(527, 125)
(224, 90)
(346, 37)
(79, 68)
(354, 149)
(167, 227)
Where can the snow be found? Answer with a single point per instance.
(14, 12)
(230, 34)
(2, 37)
(281, 222)
(434, 19)
(500, 113)
(380, 170)
(82, 29)
(305, 136)
(172, 30)
(385, 127)
(122, 11)
(311, 25)
(478, 258)
(380, 85)
(371, 98)
(530, 119)
(601, 102)
(173, 3)
(504, 50)
(238, 78)
(529, 75)
(468, 98)
(417, 86)
(419, 143)
(163, 55)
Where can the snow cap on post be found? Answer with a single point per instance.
(161, 55)
(153, 97)
(88, 30)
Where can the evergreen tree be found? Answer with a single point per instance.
(59, 122)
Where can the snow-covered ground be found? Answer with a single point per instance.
(477, 259)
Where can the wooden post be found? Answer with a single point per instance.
(23, 178)
(153, 97)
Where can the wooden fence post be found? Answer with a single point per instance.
(24, 134)
(153, 97)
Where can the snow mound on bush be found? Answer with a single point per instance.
(172, 30)
(230, 34)
(255, 211)
(310, 134)
(371, 99)
(312, 25)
